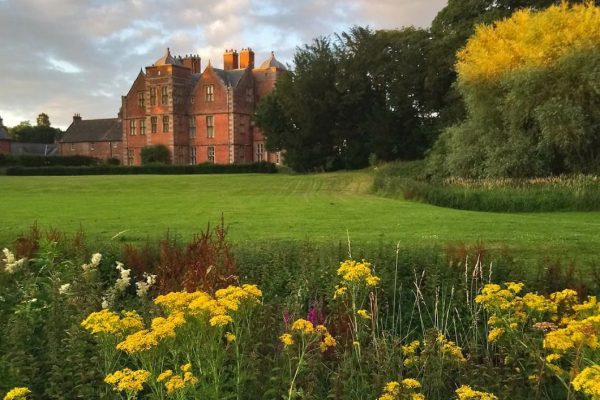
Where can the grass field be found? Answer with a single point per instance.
(269, 207)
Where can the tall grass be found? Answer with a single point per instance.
(563, 193)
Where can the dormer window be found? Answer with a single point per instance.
(210, 92)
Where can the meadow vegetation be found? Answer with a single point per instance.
(199, 319)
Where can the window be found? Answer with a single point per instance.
(132, 127)
(210, 126)
(153, 124)
(249, 95)
(164, 95)
(115, 145)
(92, 146)
(130, 157)
(210, 92)
(210, 152)
(141, 100)
(277, 158)
(192, 99)
(260, 150)
(165, 123)
(72, 147)
(153, 96)
(142, 126)
(192, 127)
(193, 155)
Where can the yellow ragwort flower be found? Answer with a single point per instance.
(588, 381)
(303, 326)
(18, 393)
(286, 339)
(127, 380)
(230, 337)
(364, 314)
(466, 393)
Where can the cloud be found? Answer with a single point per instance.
(69, 56)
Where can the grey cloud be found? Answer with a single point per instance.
(108, 41)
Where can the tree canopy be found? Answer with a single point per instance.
(530, 84)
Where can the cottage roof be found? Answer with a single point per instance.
(33, 149)
(4, 133)
(94, 130)
(167, 59)
(230, 77)
(272, 62)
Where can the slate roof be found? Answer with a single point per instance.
(230, 77)
(167, 59)
(272, 62)
(4, 134)
(33, 149)
(94, 130)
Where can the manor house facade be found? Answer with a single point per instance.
(200, 116)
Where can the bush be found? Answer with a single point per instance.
(155, 154)
(156, 169)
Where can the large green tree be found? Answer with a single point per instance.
(348, 100)
(531, 88)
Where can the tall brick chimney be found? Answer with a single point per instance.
(230, 60)
(192, 61)
(246, 58)
(76, 118)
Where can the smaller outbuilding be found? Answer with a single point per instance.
(99, 138)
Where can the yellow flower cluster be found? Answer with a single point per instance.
(439, 345)
(529, 39)
(588, 381)
(509, 311)
(576, 334)
(306, 328)
(354, 272)
(176, 382)
(400, 390)
(18, 393)
(128, 380)
(111, 323)
(466, 393)
(145, 339)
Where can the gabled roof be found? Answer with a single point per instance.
(33, 149)
(167, 59)
(230, 77)
(94, 130)
(4, 134)
(272, 62)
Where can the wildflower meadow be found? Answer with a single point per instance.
(80, 324)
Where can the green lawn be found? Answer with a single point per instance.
(268, 207)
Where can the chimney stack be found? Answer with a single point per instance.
(230, 60)
(192, 61)
(247, 58)
(76, 118)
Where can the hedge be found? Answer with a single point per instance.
(260, 167)
(45, 161)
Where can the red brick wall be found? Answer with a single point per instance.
(4, 146)
(101, 150)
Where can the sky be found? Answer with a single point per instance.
(64, 57)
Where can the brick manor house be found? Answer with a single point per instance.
(199, 116)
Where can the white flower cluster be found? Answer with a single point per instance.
(64, 289)
(144, 286)
(123, 282)
(96, 258)
(11, 262)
